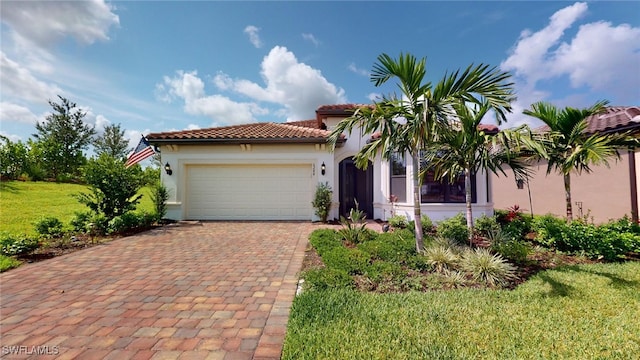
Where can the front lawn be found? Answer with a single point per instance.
(24, 203)
(572, 312)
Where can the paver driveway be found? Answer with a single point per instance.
(213, 290)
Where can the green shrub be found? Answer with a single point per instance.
(454, 228)
(7, 263)
(486, 225)
(509, 247)
(427, 225)
(487, 268)
(549, 229)
(351, 261)
(11, 245)
(49, 227)
(398, 221)
(80, 221)
(130, 221)
(326, 278)
(324, 240)
(322, 201)
(383, 270)
(390, 247)
(159, 196)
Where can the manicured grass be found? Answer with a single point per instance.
(574, 312)
(7, 262)
(23, 203)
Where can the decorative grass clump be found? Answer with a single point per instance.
(574, 312)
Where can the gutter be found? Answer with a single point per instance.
(242, 141)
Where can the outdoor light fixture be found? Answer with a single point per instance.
(323, 168)
(167, 168)
(520, 184)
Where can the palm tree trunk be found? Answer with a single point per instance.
(467, 197)
(416, 204)
(567, 195)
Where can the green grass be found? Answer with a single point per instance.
(7, 262)
(575, 312)
(23, 203)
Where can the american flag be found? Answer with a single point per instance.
(142, 151)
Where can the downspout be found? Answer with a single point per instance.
(633, 187)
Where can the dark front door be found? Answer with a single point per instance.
(355, 185)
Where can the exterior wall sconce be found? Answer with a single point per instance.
(520, 184)
(167, 169)
(323, 168)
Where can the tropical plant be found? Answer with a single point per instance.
(569, 148)
(442, 258)
(462, 147)
(406, 125)
(322, 201)
(354, 229)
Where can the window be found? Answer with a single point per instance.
(398, 177)
(433, 191)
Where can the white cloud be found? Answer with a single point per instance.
(190, 88)
(295, 85)
(311, 38)
(18, 82)
(10, 112)
(374, 96)
(353, 68)
(254, 35)
(46, 22)
(193, 127)
(530, 55)
(600, 56)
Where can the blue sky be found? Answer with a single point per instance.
(161, 66)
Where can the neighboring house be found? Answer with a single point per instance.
(269, 171)
(606, 193)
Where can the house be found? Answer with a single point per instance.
(269, 171)
(606, 193)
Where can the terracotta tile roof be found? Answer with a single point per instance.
(614, 118)
(296, 132)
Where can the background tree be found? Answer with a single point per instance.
(568, 148)
(62, 138)
(463, 148)
(407, 125)
(112, 142)
(13, 158)
(114, 187)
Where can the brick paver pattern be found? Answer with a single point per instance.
(211, 290)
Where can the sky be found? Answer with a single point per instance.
(155, 66)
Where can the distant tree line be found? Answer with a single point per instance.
(58, 149)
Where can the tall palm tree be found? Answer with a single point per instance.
(569, 149)
(463, 148)
(407, 125)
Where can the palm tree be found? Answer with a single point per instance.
(463, 148)
(569, 149)
(407, 125)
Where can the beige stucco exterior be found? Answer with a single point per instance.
(604, 194)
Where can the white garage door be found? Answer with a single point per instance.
(249, 192)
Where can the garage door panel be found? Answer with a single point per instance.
(249, 192)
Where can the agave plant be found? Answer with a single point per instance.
(487, 268)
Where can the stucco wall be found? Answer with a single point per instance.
(605, 193)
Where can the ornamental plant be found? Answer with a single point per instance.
(322, 201)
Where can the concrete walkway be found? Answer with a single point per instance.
(213, 290)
